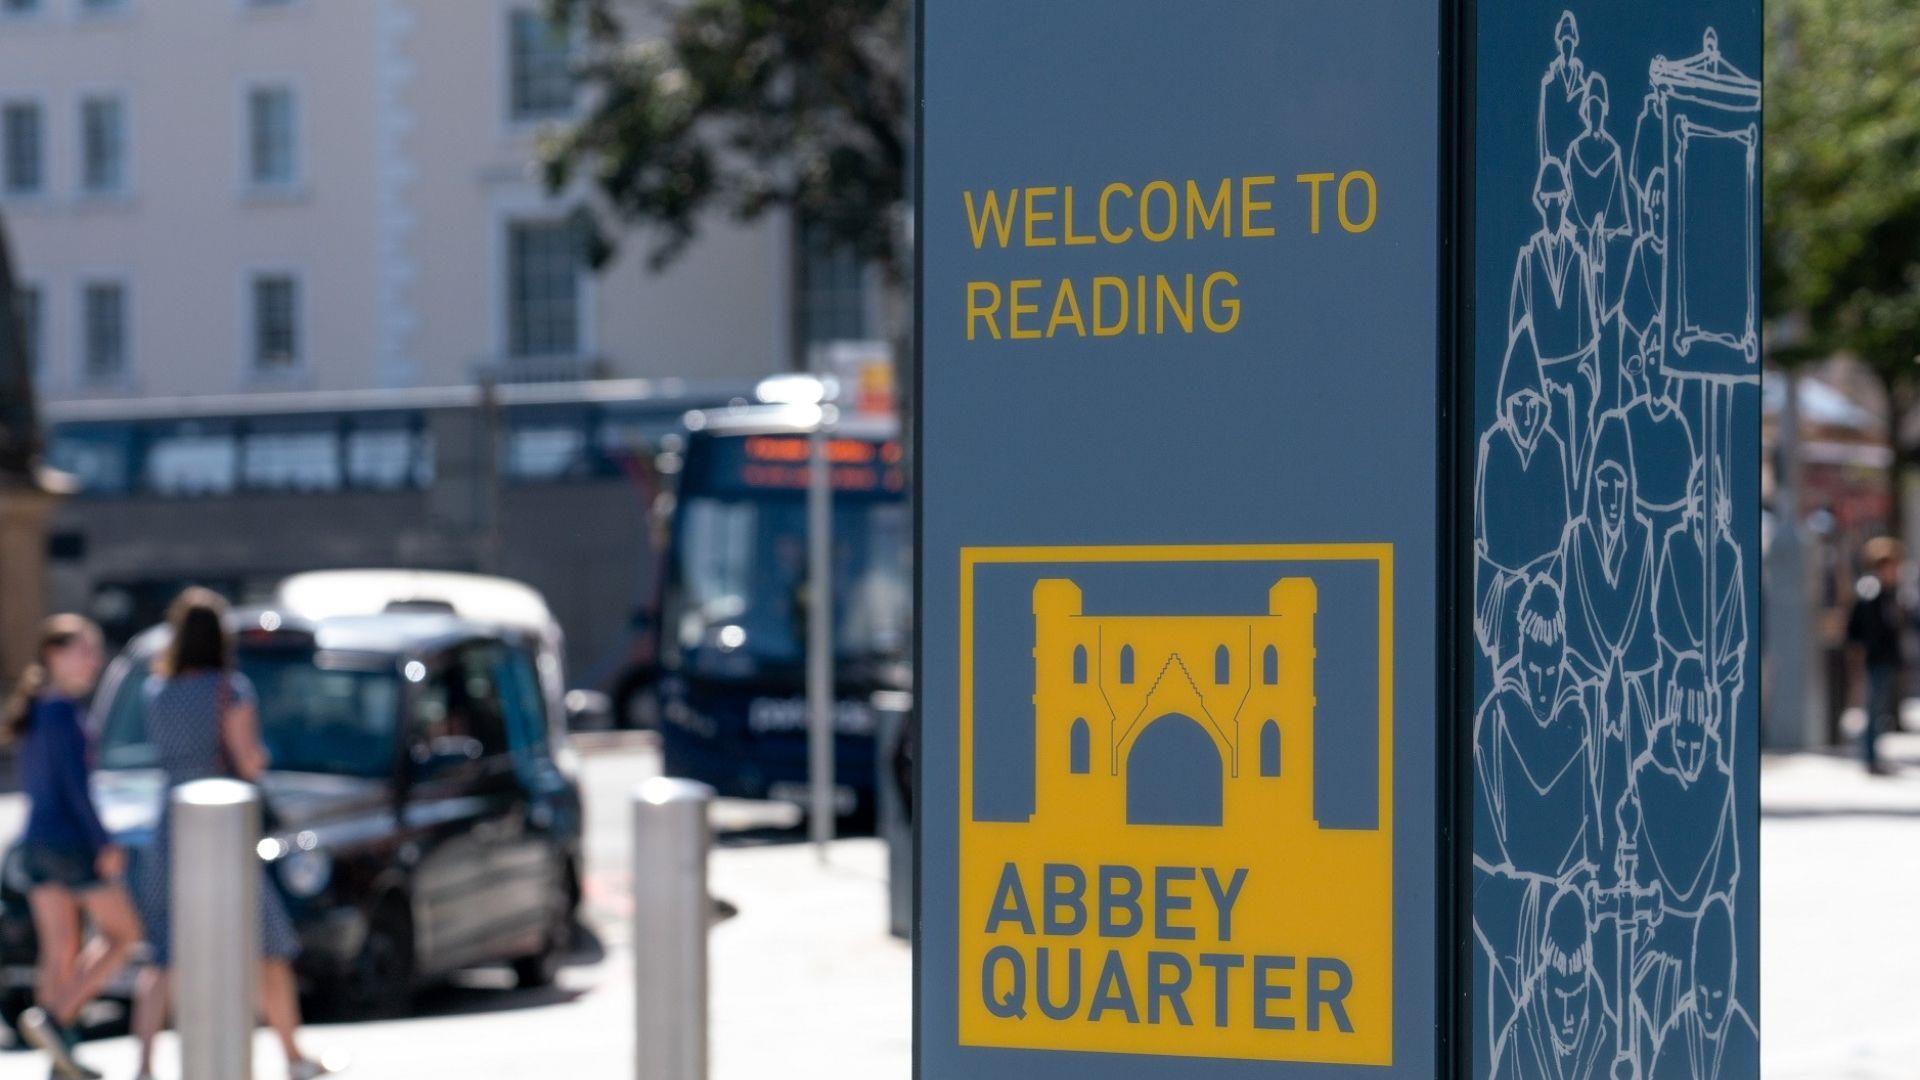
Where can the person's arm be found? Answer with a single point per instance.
(67, 758)
(240, 732)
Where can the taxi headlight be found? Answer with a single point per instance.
(306, 873)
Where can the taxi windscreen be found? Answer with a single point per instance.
(319, 713)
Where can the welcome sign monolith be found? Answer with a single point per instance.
(1335, 505)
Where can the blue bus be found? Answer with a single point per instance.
(730, 696)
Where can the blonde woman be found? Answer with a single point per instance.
(72, 865)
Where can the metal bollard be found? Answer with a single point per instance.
(670, 919)
(216, 926)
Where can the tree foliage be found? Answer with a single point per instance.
(1842, 209)
(739, 107)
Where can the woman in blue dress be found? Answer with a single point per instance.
(202, 722)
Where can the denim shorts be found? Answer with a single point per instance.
(65, 867)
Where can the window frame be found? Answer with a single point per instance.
(102, 9)
(518, 120)
(294, 184)
(297, 365)
(84, 371)
(123, 185)
(43, 145)
(40, 11)
(508, 285)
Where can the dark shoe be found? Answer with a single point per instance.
(44, 1035)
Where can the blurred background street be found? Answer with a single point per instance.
(542, 442)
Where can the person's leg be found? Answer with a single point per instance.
(116, 931)
(150, 1000)
(1880, 698)
(280, 1003)
(56, 927)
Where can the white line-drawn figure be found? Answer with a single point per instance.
(1561, 1030)
(1530, 747)
(1710, 1022)
(1522, 483)
(1684, 562)
(1649, 150)
(1553, 301)
(1640, 338)
(1602, 204)
(1684, 784)
(1659, 431)
(1611, 590)
(1607, 557)
(1562, 89)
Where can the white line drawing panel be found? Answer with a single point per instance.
(1610, 588)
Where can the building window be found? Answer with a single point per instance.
(20, 7)
(1271, 666)
(1270, 749)
(193, 459)
(1079, 749)
(20, 159)
(272, 137)
(290, 460)
(543, 288)
(1126, 664)
(1080, 664)
(540, 67)
(103, 145)
(388, 455)
(833, 290)
(103, 320)
(28, 307)
(1222, 666)
(275, 304)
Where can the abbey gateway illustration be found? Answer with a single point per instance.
(1174, 720)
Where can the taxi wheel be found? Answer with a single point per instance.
(537, 972)
(12, 1004)
(382, 981)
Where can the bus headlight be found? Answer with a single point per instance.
(305, 873)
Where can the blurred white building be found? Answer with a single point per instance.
(219, 196)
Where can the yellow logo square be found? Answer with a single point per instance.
(1172, 892)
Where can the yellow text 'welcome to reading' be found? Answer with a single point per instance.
(1158, 212)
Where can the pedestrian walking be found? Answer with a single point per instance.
(202, 722)
(1876, 628)
(73, 868)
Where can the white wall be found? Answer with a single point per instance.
(411, 170)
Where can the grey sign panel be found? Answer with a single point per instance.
(1180, 615)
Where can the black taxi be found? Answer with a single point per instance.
(420, 817)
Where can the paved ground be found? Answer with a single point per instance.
(807, 984)
(1840, 918)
